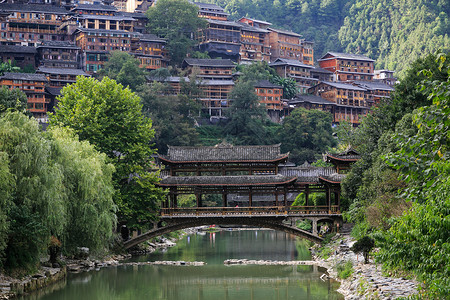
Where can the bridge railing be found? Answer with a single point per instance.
(263, 210)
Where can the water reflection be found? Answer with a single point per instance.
(213, 281)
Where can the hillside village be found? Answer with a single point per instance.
(65, 39)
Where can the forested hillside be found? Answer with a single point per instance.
(394, 32)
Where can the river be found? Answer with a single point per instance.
(213, 281)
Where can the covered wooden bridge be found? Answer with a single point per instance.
(256, 185)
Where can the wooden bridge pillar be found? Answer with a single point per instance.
(224, 197)
(250, 196)
(328, 196)
(199, 199)
(276, 197)
(314, 227)
(306, 195)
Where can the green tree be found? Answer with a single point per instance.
(176, 21)
(306, 134)
(14, 99)
(51, 185)
(171, 117)
(419, 240)
(8, 67)
(364, 245)
(246, 117)
(124, 68)
(88, 189)
(290, 89)
(111, 119)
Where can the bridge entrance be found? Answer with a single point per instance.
(257, 187)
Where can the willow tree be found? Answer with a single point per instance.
(88, 191)
(51, 185)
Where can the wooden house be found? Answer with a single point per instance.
(60, 77)
(34, 87)
(212, 69)
(285, 44)
(300, 72)
(211, 11)
(20, 56)
(96, 44)
(353, 102)
(30, 24)
(59, 54)
(150, 51)
(347, 67)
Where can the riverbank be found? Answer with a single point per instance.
(367, 280)
(11, 287)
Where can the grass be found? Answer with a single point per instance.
(345, 270)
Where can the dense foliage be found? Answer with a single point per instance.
(51, 185)
(420, 239)
(176, 21)
(14, 99)
(306, 134)
(111, 119)
(399, 190)
(386, 29)
(124, 68)
(382, 29)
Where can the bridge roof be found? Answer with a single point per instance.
(245, 180)
(224, 153)
(350, 155)
(308, 174)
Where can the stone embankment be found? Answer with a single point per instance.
(10, 287)
(269, 262)
(367, 280)
(165, 263)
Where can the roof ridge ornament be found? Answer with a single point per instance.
(223, 144)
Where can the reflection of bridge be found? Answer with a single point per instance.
(254, 190)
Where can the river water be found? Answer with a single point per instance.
(213, 281)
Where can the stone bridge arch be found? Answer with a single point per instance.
(276, 223)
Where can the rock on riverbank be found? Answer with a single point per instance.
(367, 280)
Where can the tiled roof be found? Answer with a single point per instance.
(208, 6)
(24, 76)
(346, 56)
(257, 21)
(320, 70)
(208, 62)
(343, 86)
(58, 44)
(243, 180)
(17, 49)
(103, 17)
(253, 29)
(266, 84)
(289, 62)
(110, 31)
(373, 85)
(224, 153)
(45, 8)
(225, 23)
(151, 37)
(54, 91)
(63, 71)
(100, 7)
(307, 174)
(348, 155)
(310, 99)
(333, 178)
(285, 32)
